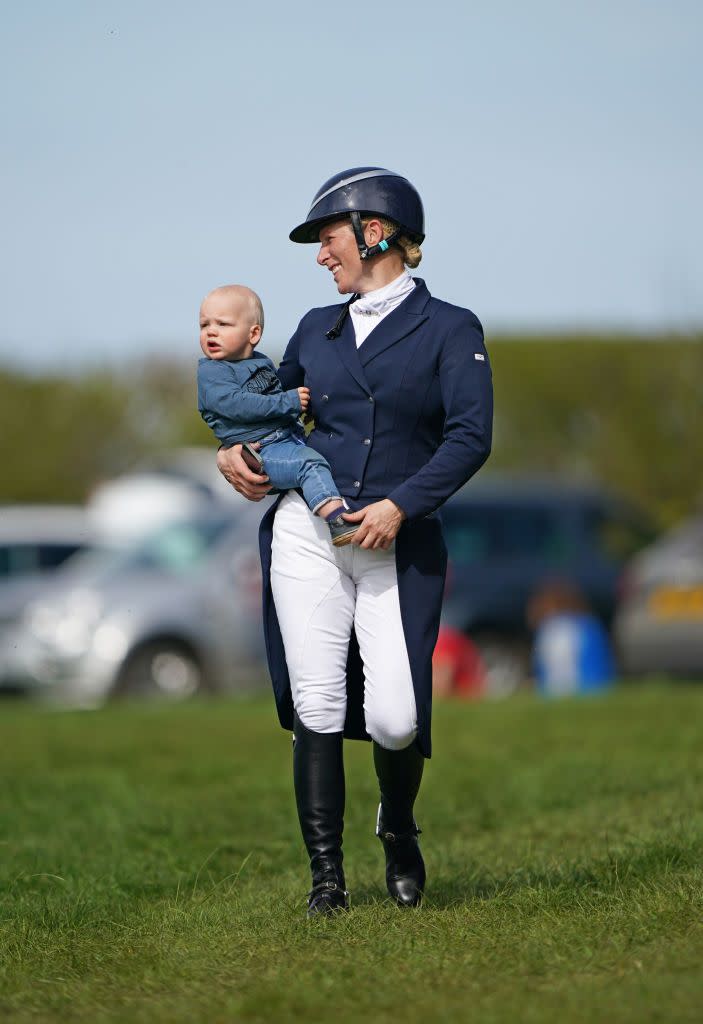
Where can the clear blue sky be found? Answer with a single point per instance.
(152, 150)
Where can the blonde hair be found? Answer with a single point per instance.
(410, 251)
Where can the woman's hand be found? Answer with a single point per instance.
(378, 524)
(304, 396)
(234, 469)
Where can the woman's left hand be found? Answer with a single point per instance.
(378, 524)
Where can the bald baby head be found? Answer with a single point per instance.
(231, 322)
(247, 300)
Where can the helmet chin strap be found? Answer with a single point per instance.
(335, 331)
(366, 251)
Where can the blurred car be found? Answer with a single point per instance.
(507, 537)
(176, 614)
(659, 623)
(193, 465)
(176, 485)
(34, 541)
(38, 538)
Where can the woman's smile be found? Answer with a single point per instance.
(340, 255)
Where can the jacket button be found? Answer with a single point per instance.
(370, 398)
(357, 483)
(325, 398)
(330, 437)
(367, 440)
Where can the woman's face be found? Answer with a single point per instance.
(340, 254)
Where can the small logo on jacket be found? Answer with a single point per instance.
(480, 356)
(263, 381)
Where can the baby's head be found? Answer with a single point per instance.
(231, 322)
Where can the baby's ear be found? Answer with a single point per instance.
(255, 334)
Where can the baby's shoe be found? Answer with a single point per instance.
(342, 531)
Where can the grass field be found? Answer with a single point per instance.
(152, 869)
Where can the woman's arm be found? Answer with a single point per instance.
(467, 397)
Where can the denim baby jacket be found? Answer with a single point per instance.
(242, 399)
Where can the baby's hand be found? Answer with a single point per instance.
(304, 396)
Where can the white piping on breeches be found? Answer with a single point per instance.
(320, 592)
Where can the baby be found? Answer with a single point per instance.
(241, 400)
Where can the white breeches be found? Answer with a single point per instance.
(320, 593)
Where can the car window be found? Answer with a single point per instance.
(49, 556)
(178, 547)
(16, 559)
(479, 533)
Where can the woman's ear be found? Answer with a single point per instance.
(373, 232)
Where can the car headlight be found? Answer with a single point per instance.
(69, 627)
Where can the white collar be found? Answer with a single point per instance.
(382, 300)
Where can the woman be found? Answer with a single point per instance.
(402, 404)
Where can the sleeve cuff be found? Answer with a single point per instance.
(402, 497)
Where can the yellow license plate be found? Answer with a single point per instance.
(677, 603)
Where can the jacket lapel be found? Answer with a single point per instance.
(404, 319)
(345, 347)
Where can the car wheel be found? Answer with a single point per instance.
(163, 669)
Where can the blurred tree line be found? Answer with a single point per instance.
(623, 411)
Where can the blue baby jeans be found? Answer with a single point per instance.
(289, 463)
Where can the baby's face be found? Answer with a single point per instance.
(226, 330)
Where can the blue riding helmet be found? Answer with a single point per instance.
(361, 191)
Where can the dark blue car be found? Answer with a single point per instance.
(509, 537)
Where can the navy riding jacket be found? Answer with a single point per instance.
(406, 416)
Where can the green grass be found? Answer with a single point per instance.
(152, 869)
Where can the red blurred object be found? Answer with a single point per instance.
(457, 666)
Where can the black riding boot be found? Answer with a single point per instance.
(318, 774)
(399, 775)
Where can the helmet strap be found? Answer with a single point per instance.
(335, 331)
(366, 251)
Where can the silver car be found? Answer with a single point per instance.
(177, 614)
(659, 622)
(34, 541)
(38, 538)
